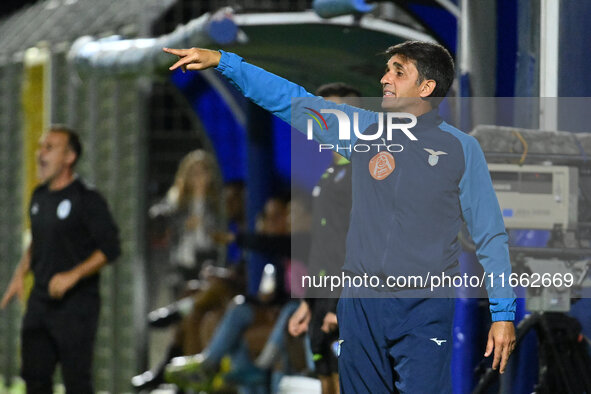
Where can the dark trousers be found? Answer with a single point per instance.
(321, 343)
(59, 332)
(395, 345)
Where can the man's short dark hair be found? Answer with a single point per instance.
(73, 139)
(338, 89)
(432, 61)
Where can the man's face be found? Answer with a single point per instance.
(399, 85)
(54, 156)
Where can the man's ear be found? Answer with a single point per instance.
(70, 157)
(427, 87)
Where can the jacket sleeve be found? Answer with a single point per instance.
(291, 102)
(482, 214)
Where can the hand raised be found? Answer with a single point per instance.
(194, 58)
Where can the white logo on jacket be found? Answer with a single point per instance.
(434, 156)
(438, 341)
(64, 208)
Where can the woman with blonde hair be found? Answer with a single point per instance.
(194, 213)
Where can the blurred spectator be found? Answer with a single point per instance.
(235, 335)
(192, 213)
(199, 313)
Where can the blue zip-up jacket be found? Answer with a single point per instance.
(406, 223)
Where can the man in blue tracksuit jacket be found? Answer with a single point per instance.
(411, 192)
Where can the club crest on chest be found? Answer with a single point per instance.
(433, 158)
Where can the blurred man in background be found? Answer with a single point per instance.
(73, 237)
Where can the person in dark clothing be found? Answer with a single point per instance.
(73, 237)
(317, 314)
(330, 222)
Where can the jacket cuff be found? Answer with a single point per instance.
(503, 316)
(226, 61)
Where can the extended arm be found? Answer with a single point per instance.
(265, 89)
(288, 101)
(16, 285)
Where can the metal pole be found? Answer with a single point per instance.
(549, 33)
